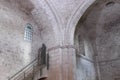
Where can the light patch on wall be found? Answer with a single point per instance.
(27, 50)
(85, 70)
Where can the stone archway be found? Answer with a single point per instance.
(74, 19)
(97, 42)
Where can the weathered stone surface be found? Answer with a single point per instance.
(101, 25)
(15, 53)
(54, 23)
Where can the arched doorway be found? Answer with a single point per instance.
(97, 42)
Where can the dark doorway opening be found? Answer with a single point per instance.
(43, 78)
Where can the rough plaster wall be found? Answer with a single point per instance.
(15, 53)
(108, 42)
(103, 28)
(108, 33)
(110, 70)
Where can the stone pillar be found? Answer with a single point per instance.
(62, 63)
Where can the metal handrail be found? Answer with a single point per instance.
(31, 64)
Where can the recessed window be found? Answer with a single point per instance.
(28, 32)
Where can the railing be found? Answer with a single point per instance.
(32, 68)
(28, 70)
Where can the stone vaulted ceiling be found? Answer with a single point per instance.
(61, 16)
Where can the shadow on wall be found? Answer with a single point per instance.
(24, 5)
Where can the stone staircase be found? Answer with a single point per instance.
(31, 72)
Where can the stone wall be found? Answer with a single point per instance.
(108, 42)
(110, 69)
(15, 52)
(56, 21)
(103, 30)
(62, 63)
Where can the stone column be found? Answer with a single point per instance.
(62, 63)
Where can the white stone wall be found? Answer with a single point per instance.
(15, 53)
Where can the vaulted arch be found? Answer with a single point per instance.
(75, 17)
(97, 41)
